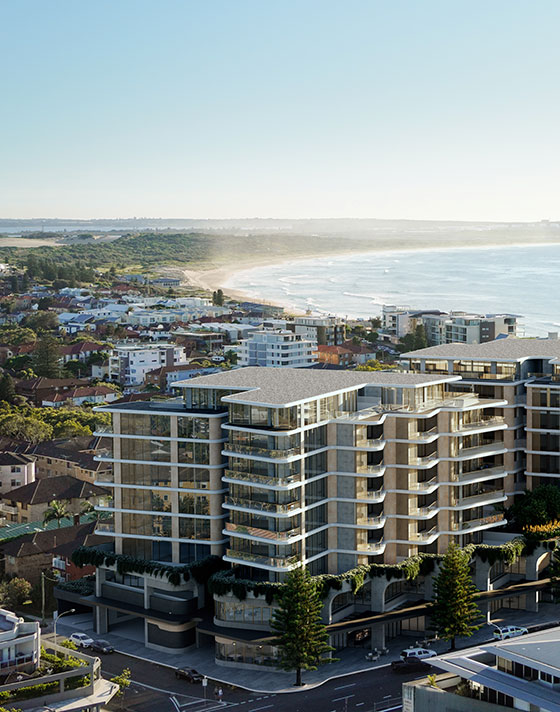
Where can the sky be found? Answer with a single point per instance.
(419, 109)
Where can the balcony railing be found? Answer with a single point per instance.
(423, 460)
(253, 478)
(262, 506)
(262, 533)
(423, 435)
(478, 499)
(422, 486)
(370, 469)
(371, 495)
(482, 423)
(423, 511)
(277, 562)
(479, 450)
(371, 521)
(369, 442)
(262, 451)
(475, 523)
(423, 536)
(474, 475)
(377, 547)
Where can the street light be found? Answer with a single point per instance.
(55, 620)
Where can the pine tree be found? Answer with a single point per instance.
(7, 388)
(454, 611)
(46, 357)
(302, 637)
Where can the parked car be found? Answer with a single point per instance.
(81, 640)
(509, 631)
(411, 664)
(102, 646)
(418, 653)
(189, 674)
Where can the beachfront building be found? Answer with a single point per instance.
(446, 327)
(276, 348)
(526, 374)
(324, 330)
(129, 363)
(521, 674)
(273, 468)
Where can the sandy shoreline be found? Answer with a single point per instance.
(217, 278)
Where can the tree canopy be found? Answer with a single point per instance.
(454, 611)
(540, 506)
(302, 637)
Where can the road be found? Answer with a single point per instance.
(155, 686)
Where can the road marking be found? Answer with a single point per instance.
(353, 684)
(267, 707)
(176, 704)
(339, 699)
(358, 704)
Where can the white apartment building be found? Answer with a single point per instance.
(276, 348)
(325, 330)
(20, 643)
(130, 363)
(446, 327)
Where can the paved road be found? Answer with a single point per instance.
(154, 687)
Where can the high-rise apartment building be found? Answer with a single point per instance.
(524, 372)
(274, 468)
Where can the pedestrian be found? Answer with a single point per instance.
(220, 694)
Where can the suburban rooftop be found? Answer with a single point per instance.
(282, 386)
(510, 349)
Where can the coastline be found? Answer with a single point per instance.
(218, 277)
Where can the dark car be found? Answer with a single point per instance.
(102, 646)
(189, 674)
(410, 665)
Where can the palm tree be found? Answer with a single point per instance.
(56, 511)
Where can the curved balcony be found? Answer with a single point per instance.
(252, 478)
(371, 496)
(371, 470)
(427, 487)
(250, 505)
(486, 473)
(424, 462)
(479, 500)
(372, 522)
(377, 547)
(493, 520)
(238, 448)
(470, 453)
(256, 533)
(423, 512)
(274, 563)
(371, 443)
(426, 537)
(490, 422)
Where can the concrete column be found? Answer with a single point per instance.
(101, 620)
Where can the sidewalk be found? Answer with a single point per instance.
(350, 660)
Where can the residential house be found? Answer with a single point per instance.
(30, 554)
(81, 351)
(53, 459)
(16, 470)
(79, 396)
(37, 389)
(29, 502)
(62, 563)
(335, 355)
(362, 352)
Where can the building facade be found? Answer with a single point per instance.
(129, 364)
(276, 348)
(270, 469)
(324, 330)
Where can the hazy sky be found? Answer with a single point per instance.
(280, 108)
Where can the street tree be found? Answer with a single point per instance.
(302, 637)
(123, 681)
(454, 612)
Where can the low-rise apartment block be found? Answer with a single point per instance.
(446, 327)
(130, 363)
(324, 330)
(276, 348)
(20, 643)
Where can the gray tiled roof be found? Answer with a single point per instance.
(510, 349)
(279, 386)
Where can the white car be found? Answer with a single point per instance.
(418, 653)
(81, 640)
(509, 631)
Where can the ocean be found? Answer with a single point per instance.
(521, 280)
